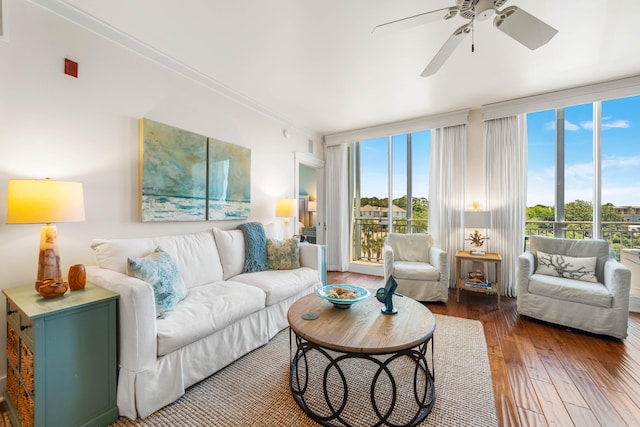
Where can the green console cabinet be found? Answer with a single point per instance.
(61, 357)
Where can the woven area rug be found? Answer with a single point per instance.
(254, 390)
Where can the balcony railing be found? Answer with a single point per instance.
(620, 235)
(369, 234)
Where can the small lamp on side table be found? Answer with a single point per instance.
(477, 219)
(45, 201)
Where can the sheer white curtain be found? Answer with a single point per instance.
(446, 190)
(337, 208)
(506, 142)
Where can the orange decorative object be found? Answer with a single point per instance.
(77, 277)
(52, 289)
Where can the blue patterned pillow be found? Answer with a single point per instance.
(283, 255)
(159, 270)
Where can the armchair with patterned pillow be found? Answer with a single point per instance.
(574, 283)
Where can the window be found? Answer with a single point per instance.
(620, 167)
(576, 172)
(392, 168)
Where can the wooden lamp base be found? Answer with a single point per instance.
(49, 257)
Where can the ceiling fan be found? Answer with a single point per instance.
(513, 21)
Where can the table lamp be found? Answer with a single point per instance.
(286, 208)
(477, 219)
(312, 208)
(45, 201)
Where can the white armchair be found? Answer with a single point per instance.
(555, 284)
(420, 269)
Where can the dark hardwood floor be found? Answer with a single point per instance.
(546, 375)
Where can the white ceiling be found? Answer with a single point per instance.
(317, 64)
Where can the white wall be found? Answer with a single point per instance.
(86, 130)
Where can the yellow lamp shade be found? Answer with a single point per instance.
(286, 207)
(44, 201)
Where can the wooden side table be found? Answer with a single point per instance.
(461, 281)
(61, 357)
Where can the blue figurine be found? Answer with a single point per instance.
(385, 295)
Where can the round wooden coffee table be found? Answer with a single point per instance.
(360, 366)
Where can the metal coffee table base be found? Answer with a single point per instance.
(335, 398)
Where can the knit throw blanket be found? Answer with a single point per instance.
(255, 247)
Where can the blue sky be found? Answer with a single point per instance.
(375, 169)
(620, 154)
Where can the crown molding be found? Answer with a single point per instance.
(612, 89)
(459, 117)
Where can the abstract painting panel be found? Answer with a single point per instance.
(229, 181)
(174, 174)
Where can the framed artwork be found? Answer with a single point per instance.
(229, 181)
(185, 176)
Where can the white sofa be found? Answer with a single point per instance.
(225, 314)
(600, 306)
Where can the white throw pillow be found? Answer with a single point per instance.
(577, 268)
(411, 247)
(231, 249)
(113, 254)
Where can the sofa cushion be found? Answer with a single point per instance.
(410, 247)
(195, 255)
(282, 284)
(231, 249)
(159, 270)
(114, 254)
(207, 309)
(577, 268)
(283, 255)
(595, 294)
(415, 271)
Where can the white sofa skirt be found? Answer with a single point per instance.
(166, 380)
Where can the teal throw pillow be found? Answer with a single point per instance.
(283, 255)
(159, 270)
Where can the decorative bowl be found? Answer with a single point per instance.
(325, 291)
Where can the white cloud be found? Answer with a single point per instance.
(621, 124)
(621, 162)
(588, 125)
(570, 126)
(614, 124)
(567, 126)
(579, 170)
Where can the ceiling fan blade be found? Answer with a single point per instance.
(415, 20)
(446, 50)
(524, 27)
